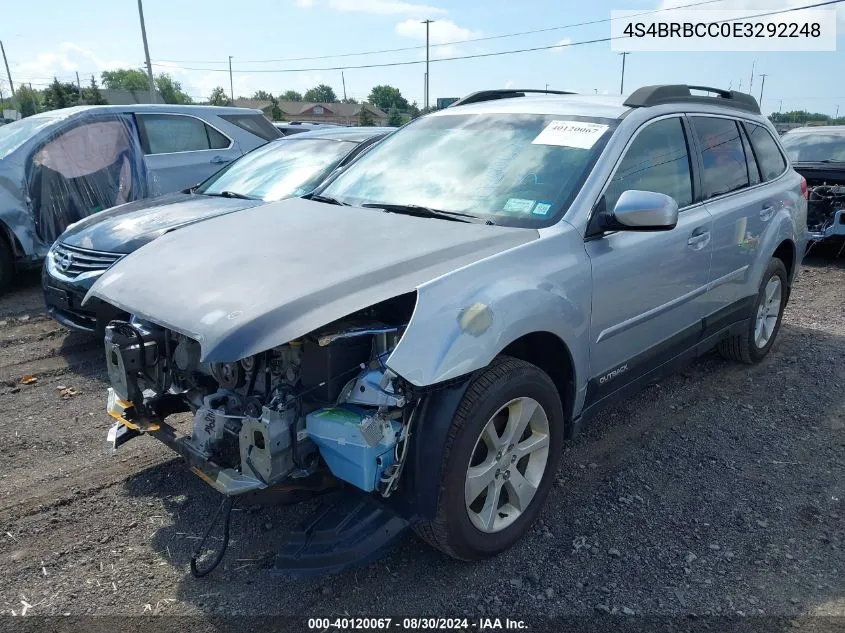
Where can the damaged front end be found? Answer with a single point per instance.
(826, 210)
(322, 407)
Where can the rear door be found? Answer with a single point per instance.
(182, 150)
(648, 287)
(741, 205)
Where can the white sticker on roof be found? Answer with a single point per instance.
(570, 134)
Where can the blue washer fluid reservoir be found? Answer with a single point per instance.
(337, 433)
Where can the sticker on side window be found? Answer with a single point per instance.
(570, 134)
(518, 205)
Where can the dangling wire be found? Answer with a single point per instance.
(228, 502)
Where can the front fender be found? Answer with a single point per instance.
(464, 319)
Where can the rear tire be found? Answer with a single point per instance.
(755, 342)
(504, 505)
(7, 266)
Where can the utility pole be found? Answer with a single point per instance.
(79, 86)
(762, 85)
(836, 116)
(622, 83)
(147, 54)
(780, 107)
(9, 75)
(343, 79)
(231, 82)
(739, 89)
(427, 23)
(751, 83)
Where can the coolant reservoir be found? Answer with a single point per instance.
(345, 438)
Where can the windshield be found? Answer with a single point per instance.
(13, 135)
(513, 169)
(280, 169)
(813, 147)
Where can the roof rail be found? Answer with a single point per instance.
(502, 93)
(680, 93)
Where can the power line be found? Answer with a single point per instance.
(498, 53)
(422, 46)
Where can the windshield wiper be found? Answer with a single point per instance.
(231, 194)
(427, 212)
(327, 199)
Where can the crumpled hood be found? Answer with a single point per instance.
(246, 282)
(127, 227)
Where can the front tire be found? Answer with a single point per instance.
(7, 266)
(499, 461)
(755, 342)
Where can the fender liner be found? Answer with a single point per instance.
(417, 497)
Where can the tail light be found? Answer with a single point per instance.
(803, 187)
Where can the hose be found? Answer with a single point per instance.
(195, 571)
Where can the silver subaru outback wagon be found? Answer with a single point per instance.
(425, 330)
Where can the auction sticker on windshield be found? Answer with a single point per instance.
(575, 134)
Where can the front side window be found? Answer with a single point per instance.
(722, 155)
(657, 160)
(280, 169)
(170, 133)
(514, 169)
(766, 150)
(818, 146)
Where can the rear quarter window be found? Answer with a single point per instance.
(256, 124)
(722, 155)
(769, 158)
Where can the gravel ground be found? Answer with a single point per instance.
(716, 491)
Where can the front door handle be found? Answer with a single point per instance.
(767, 212)
(218, 160)
(699, 239)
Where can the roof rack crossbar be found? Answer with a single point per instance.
(503, 93)
(681, 93)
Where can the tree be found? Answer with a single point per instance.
(414, 110)
(92, 94)
(349, 100)
(365, 119)
(27, 101)
(321, 94)
(170, 90)
(386, 97)
(60, 95)
(394, 118)
(125, 79)
(262, 95)
(218, 97)
(290, 95)
(276, 111)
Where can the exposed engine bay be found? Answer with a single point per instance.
(325, 401)
(825, 207)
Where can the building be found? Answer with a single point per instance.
(345, 113)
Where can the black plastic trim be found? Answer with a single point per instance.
(680, 93)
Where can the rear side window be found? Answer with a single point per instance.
(722, 155)
(771, 161)
(750, 163)
(254, 124)
(658, 161)
(170, 133)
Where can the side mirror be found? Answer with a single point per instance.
(642, 211)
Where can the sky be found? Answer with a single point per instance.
(193, 39)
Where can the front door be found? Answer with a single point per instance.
(648, 287)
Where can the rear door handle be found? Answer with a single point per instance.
(218, 160)
(699, 239)
(767, 212)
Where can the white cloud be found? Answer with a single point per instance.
(509, 83)
(68, 59)
(304, 4)
(763, 6)
(384, 7)
(440, 31)
(563, 45)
